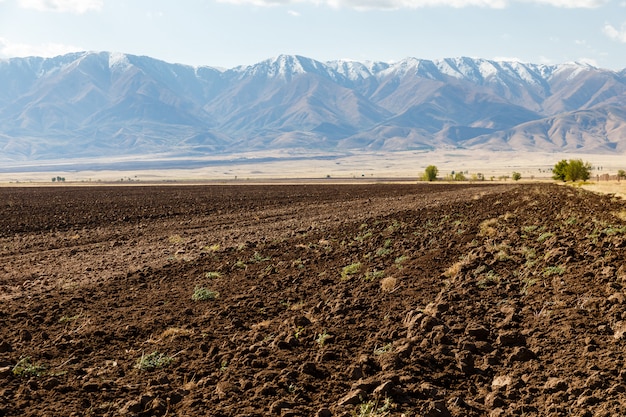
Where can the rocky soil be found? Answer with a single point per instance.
(312, 300)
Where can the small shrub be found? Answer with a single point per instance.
(212, 275)
(153, 361)
(516, 176)
(25, 368)
(203, 294)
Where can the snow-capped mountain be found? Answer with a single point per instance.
(112, 104)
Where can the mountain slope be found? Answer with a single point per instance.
(111, 104)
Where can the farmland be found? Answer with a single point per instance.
(312, 300)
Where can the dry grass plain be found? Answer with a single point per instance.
(370, 166)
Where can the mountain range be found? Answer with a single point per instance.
(102, 104)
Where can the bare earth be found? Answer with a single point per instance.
(331, 300)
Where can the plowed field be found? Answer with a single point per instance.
(312, 300)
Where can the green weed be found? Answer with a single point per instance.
(25, 368)
(153, 361)
(348, 271)
(322, 338)
(374, 409)
(491, 278)
(257, 257)
(203, 294)
(375, 274)
(544, 236)
(400, 260)
(66, 319)
(383, 349)
(553, 270)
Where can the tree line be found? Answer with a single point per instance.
(564, 170)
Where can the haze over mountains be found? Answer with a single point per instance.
(87, 105)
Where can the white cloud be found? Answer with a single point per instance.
(571, 4)
(13, 49)
(614, 33)
(71, 6)
(415, 4)
(294, 13)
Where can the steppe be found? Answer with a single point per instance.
(312, 300)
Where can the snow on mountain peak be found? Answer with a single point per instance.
(118, 61)
(573, 68)
(351, 70)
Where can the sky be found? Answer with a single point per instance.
(229, 33)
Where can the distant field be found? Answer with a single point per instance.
(264, 166)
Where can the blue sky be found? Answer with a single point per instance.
(228, 33)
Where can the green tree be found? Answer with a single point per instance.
(430, 173)
(517, 176)
(559, 170)
(574, 170)
(578, 170)
(459, 176)
(621, 173)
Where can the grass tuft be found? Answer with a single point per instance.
(203, 294)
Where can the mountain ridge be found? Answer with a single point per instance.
(93, 104)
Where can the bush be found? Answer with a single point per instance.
(517, 176)
(574, 170)
(621, 174)
(430, 173)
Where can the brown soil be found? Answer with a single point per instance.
(414, 300)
